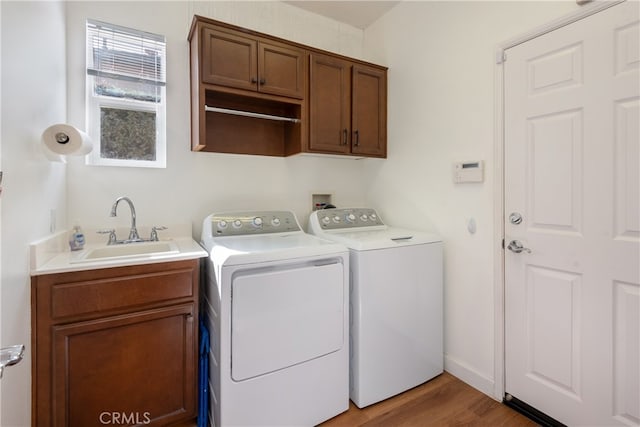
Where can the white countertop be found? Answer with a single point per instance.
(52, 254)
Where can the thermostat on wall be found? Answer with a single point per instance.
(468, 171)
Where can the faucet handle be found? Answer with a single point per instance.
(112, 235)
(154, 232)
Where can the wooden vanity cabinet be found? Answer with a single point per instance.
(116, 346)
(347, 107)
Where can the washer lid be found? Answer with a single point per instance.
(370, 239)
(234, 250)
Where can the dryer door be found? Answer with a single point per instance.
(285, 315)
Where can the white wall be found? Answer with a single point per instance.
(33, 98)
(440, 110)
(37, 38)
(196, 184)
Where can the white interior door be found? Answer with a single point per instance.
(572, 156)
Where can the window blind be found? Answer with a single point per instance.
(125, 54)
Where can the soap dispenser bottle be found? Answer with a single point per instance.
(76, 238)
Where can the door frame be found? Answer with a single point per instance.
(499, 184)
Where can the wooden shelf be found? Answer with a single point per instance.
(225, 133)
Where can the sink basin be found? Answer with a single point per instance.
(128, 250)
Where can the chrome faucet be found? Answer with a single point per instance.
(133, 232)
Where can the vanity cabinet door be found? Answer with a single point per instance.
(129, 369)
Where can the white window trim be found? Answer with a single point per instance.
(93, 105)
(95, 102)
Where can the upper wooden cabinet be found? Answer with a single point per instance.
(230, 58)
(347, 107)
(369, 111)
(252, 93)
(329, 104)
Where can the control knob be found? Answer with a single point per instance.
(222, 224)
(275, 222)
(336, 219)
(364, 217)
(257, 222)
(237, 223)
(326, 220)
(350, 217)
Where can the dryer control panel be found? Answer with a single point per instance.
(254, 222)
(333, 219)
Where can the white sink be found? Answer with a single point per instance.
(128, 250)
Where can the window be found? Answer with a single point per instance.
(126, 106)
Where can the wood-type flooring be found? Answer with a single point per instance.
(442, 401)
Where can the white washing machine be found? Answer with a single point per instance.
(277, 300)
(396, 302)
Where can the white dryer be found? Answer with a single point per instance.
(396, 302)
(276, 300)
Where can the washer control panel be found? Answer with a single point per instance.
(332, 219)
(258, 222)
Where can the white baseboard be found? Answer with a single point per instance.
(470, 376)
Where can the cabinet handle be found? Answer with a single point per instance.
(356, 138)
(344, 137)
(262, 81)
(254, 80)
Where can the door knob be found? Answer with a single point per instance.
(10, 356)
(515, 246)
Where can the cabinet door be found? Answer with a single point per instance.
(281, 70)
(138, 368)
(369, 111)
(329, 104)
(229, 59)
